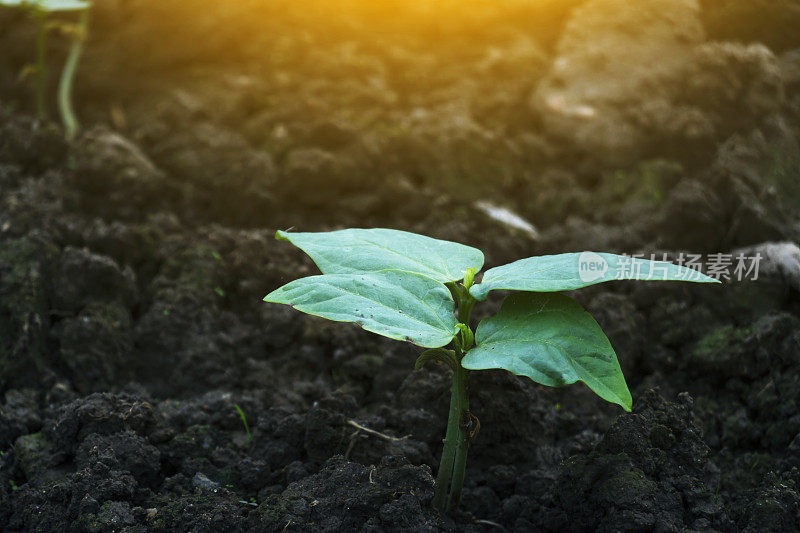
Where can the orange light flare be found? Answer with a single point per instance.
(249, 27)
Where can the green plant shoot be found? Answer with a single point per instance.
(244, 421)
(414, 288)
(40, 10)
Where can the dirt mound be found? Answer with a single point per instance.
(655, 89)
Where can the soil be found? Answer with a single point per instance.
(134, 259)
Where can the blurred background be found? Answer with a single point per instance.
(324, 102)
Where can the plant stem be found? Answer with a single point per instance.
(449, 451)
(454, 455)
(41, 63)
(65, 85)
(462, 436)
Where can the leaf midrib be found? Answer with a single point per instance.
(534, 274)
(441, 271)
(443, 329)
(445, 270)
(571, 361)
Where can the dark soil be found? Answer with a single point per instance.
(133, 262)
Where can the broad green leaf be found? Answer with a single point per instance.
(393, 303)
(63, 5)
(49, 5)
(553, 341)
(565, 272)
(350, 251)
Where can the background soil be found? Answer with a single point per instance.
(133, 262)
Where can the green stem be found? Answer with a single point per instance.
(68, 75)
(41, 64)
(462, 442)
(454, 455)
(449, 451)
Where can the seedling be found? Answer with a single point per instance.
(422, 290)
(244, 421)
(40, 10)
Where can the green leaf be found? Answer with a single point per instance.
(565, 272)
(467, 338)
(63, 5)
(553, 341)
(350, 251)
(393, 303)
(49, 5)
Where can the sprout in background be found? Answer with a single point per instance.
(40, 9)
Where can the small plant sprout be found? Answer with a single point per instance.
(422, 290)
(244, 421)
(40, 10)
